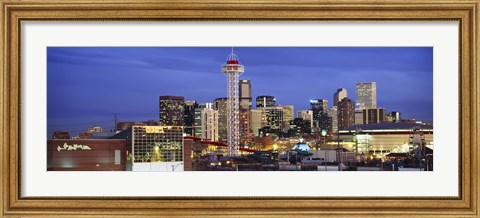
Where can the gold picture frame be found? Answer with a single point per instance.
(14, 12)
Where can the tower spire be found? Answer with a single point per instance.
(232, 69)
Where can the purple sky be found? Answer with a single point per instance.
(87, 85)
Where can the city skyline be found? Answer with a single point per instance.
(86, 86)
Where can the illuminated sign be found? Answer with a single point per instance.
(73, 147)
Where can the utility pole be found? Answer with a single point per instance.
(116, 120)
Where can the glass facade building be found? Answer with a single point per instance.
(189, 117)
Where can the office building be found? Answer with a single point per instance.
(245, 92)
(274, 118)
(171, 110)
(358, 116)
(220, 104)
(206, 122)
(340, 94)
(306, 115)
(396, 117)
(265, 101)
(366, 95)
(189, 117)
(333, 114)
(288, 115)
(346, 116)
(319, 108)
(257, 120)
(209, 123)
(299, 126)
(373, 115)
(154, 148)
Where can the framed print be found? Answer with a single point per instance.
(228, 108)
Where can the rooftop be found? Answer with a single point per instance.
(389, 126)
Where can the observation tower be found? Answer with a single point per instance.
(232, 69)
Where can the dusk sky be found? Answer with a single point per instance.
(87, 85)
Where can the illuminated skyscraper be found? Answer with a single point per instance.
(233, 69)
(189, 117)
(220, 104)
(366, 95)
(346, 113)
(171, 110)
(319, 108)
(245, 91)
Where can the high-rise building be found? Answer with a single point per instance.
(319, 108)
(206, 122)
(274, 118)
(299, 126)
(396, 116)
(171, 110)
(209, 123)
(306, 115)
(258, 120)
(245, 91)
(155, 148)
(373, 115)
(233, 69)
(366, 95)
(339, 95)
(220, 104)
(288, 115)
(189, 117)
(346, 116)
(333, 114)
(265, 101)
(246, 132)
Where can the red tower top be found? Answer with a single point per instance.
(232, 58)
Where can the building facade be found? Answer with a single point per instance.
(257, 120)
(274, 118)
(209, 124)
(86, 155)
(366, 97)
(306, 115)
(346, 115)
(220, 105)
(288, 115)
(171, 110)
(155, 148)
(333, 114)
(373, 115)
(245, 92)
(321, 120)
(265, 101)
(340, 94)
(189, 117)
